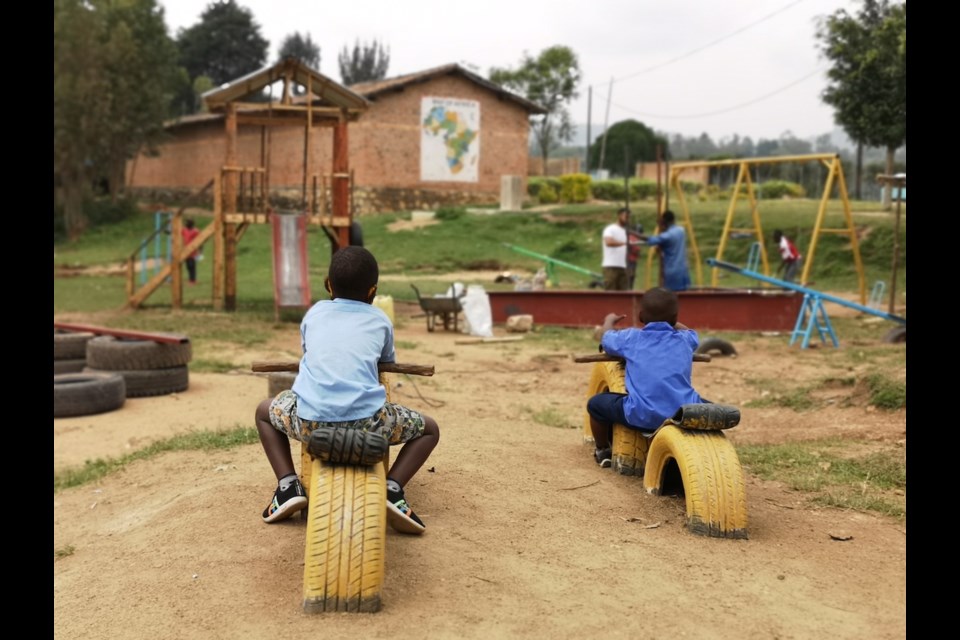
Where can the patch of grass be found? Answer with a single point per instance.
(796, 399)
(406, 344)
(64, 552)
(835, 473)
(211, 366)
(886, 393)
(553, 418)
(575, 341)
(94, 470)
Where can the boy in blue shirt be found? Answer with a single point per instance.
(659, 362)
(338, 385)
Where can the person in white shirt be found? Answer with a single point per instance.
(615, 253)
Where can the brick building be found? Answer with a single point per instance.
(440, 136)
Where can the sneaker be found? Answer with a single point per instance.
(603, 457)
(285, 503)
(400, 516)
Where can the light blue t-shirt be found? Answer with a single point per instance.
(659, 361)
(343, 341)
(673, 252)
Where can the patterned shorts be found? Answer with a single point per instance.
(394, 422)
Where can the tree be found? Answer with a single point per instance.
(225, 45)
(364, 63)
(550, 80)
(628, 142)
(868, 80)
(114, 71)
(303, 48)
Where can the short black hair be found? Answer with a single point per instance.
(353, 273)
(777, 234)
(188, 223)
(668, 216)
(659, 305)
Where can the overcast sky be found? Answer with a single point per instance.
(750, 67)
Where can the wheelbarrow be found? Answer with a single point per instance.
(446, 308)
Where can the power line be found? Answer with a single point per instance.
(719, 111)
(709, 44)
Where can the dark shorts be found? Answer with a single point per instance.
(608, 408)
(394, 422)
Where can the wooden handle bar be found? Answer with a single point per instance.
(383, 367)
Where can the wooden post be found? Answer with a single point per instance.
(307, 139)
(218, 248)
(230, 277)
(341, 178)
(176, 256)
(230, 206)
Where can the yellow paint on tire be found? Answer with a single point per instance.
(346, 536)
(712, 477)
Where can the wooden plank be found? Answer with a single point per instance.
(382, 367)
(218, 249)
(176, 257)
(230, 263)
(166, 338)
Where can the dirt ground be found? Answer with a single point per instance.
(526, 537)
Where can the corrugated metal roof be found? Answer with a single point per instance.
(374, 88)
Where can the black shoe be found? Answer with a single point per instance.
(285, 503)
(603, 457)
(400, 516)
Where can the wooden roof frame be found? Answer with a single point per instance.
(332, 98)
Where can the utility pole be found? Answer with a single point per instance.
(606, 123)
(586, 160)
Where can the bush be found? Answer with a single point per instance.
(98, 212)
(449, 213)
(772, 189)
(608, 190)
(547, 194)
(534, 184)
(575, 187)
(643, 189)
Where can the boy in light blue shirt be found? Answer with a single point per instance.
(338, 385)
(659, 362)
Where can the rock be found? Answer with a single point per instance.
(519, 323)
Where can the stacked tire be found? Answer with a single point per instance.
(148, 368)
(70, 351)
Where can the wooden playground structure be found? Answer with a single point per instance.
(241, 194)
(745, 187)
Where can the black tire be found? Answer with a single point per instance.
(896, 335)
(342, 445)
(68, 366)
(717, 345)
(142, 383)
(84, 394)
(70, 346)
(356, 234)
(280, 381)
(109, 353)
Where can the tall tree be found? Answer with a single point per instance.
(628, 142)
(114, 69)
(550, 80)
(868, 80)
(224, 45)
(301, 47)
(304, 49)
(364, 63)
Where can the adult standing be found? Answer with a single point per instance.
(615, 253)
(672, 242)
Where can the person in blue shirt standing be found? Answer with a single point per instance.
(338, 385)
(672, 241)
(659, 362)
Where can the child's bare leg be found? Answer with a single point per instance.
(414, 453)
(601, 433)
(275, 443)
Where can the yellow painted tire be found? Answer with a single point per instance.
(346, 535)
(604, 376)
(712, 478)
